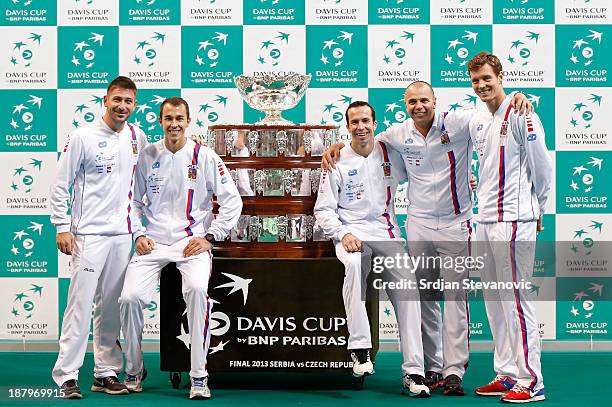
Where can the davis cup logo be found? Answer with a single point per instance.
(24, 114)
(460, 49)
(86, 112)
(395, 49)
(208, 113)
(23, 178)
(24, 240)
(24, 304)
(272, 49)
(394, 113)
(585, 236)
(146, 50)
(582, 114)
(333, 49)
(586, 308)
(584, 49)
(146, 114)
(334, 112)
(208, 54)
(520, 51)
(84, 52)
(219, 321)
(584, 176)
(23, 50)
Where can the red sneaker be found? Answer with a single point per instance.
(496, 387)
(520, 394)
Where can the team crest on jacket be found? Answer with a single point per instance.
(386, 169)
(444, 138)
(504, 128)
(192, 172)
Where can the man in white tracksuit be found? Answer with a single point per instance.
(354, 205)
(515, 175)
(98, 162)
(436, 150)
(175, 181)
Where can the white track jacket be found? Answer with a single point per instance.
(98, 164)
(515, 167)
(438, 167)
(174, 192)
(356, 196)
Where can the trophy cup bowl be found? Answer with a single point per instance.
(272, 93)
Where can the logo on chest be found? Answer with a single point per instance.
(444, 138)
(192, 172)
(386, 166)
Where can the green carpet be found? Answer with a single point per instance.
(568, 377)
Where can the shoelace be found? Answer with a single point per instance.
(112, 380)
(132, 378)
(517, 388)
(198, 382)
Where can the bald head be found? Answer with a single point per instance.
(420, 104)
(420, 86)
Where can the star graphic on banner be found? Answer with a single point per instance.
(159, 37)
(391, 44)
(454, 106)
(20, 296)
(218, 348)
(37, 289)
(19, 170)
(574, 311)
(142, 44)
(596, 162)
(329, 107)
(579, 233)
(237, 284)
(283, 36)
(574, 59)
(15, 250)
(391, 107)
(387, 312)
(14, 124)
(20, 234)
(574, 186)
(204, 107)
(449, 59)
(36, 163)
(596, 225)
(579, 170)
(596, 288)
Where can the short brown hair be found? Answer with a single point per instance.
(122, 82)
(174, 101)
(483, 58)
(359, 103)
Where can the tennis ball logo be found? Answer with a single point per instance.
(208, 53)
(208, 112)
(85, 112)
(332, 52)
(460, 49)
(23, 176)
(395, 49)
(270, 51)
(583, 48)
(23, 50)
(520, 50)
(334, 112)
(84, 52)
(588, 305)
(24, 303)
(146, 50)
(584, 110)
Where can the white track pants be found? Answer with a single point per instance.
(511, 314)
(141, 279)
(445, 340)
(96, 275)
(408, 311)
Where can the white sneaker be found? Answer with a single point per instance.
(133, 383)
(199, 388)
(414, 386)
(362, 365)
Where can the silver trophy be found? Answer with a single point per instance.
(272, 93)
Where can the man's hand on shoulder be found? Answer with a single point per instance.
(330, 156)
(351, 243)
(196, 246)
(65, 242)
(521, 104)
(144, 245)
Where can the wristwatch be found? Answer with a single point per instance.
(210, 237)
